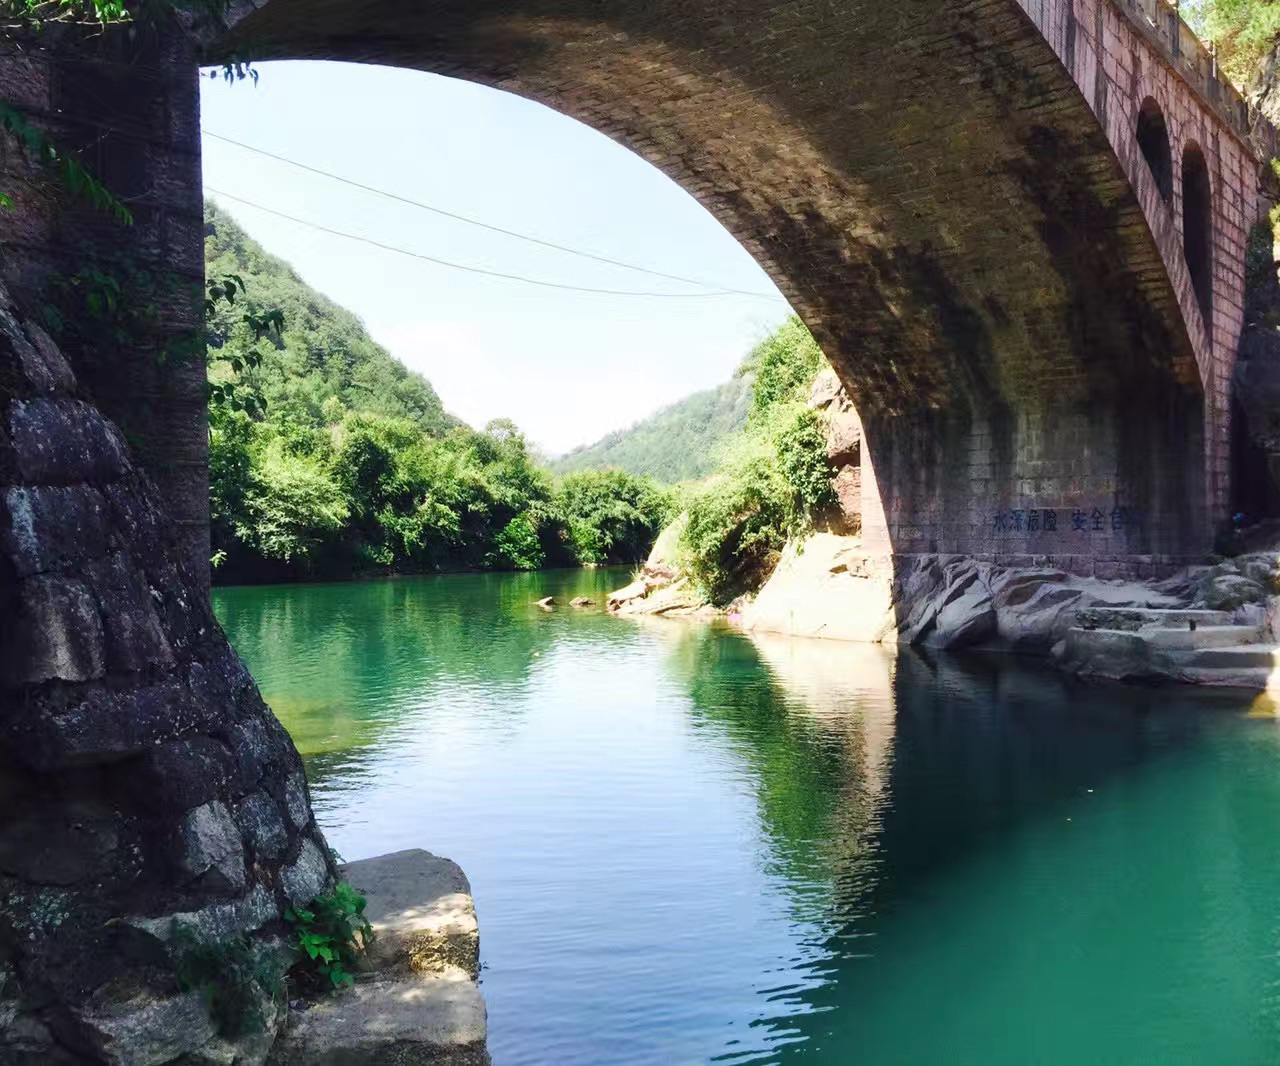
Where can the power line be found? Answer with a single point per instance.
(485, 225)
(464, 266)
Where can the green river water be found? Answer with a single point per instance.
(691, 845)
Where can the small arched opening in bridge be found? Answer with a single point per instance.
(1153, 139)
(1197, 227)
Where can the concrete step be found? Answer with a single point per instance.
(1255, 678)
(1188, 639)
(1244, 656)
(402, 1018)
(1127, 618)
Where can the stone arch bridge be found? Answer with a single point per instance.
(1017, 227)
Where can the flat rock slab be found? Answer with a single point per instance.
(401, 1019)
(421, 910)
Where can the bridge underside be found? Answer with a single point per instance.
(933, 194)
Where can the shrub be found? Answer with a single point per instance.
(332, 933)
(237, 980)
(802, 458)
(517, 545)
(737, 527)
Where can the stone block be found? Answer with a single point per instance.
(64, 442)
(145, 1029)
(55, 364)
(50, 528)
(58, 846)
(262, 826)
(406, 1019)
(208, 846)
(134, 638)
(297, 799)
(55, 634)
(262, 748)
(218, 921)
(61, 729)
(307, 876)
(421, 911)
(183, 774)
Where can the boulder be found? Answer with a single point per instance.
(637, 590)
(825, 390)
(966, 615)
(1227, 591)
(825, 586)
(1261, 567)
(1106, 653)
(581, 601)
(546, 603)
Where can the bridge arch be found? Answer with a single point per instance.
(953, 199)
(1197, 227)
(1153, 139)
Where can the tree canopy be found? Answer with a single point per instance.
(344, 462)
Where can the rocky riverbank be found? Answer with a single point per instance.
(1211, 624)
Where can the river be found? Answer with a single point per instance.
(690, 845)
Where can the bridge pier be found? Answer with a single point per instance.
(132, 111)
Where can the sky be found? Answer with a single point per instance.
(567, 366)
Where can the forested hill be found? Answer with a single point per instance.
(326, 352)
(328, 459)
(679, 443)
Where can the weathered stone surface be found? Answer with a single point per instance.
(105, 724)
(1225, 592)
(390, 1020)
(50, 528)
(145, 1029)
(134, 638)
(183, 774)
(1107, 653)
(297, 800)
(263, 828)
(826, 587)
(1261, 567)
(216, 922)
(208, 845)
(55, 365)
(56, 634)
(421, 911)
(581, 601)
(252, 1049)
(307, 876)
(966, 618)
(64, 442)
(60, 846)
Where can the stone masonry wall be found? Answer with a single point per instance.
(129, 103)
(147, 791)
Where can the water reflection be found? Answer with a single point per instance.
(689, 844)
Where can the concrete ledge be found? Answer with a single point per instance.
(393, 1020)
(419, 1002)
(421, 910)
